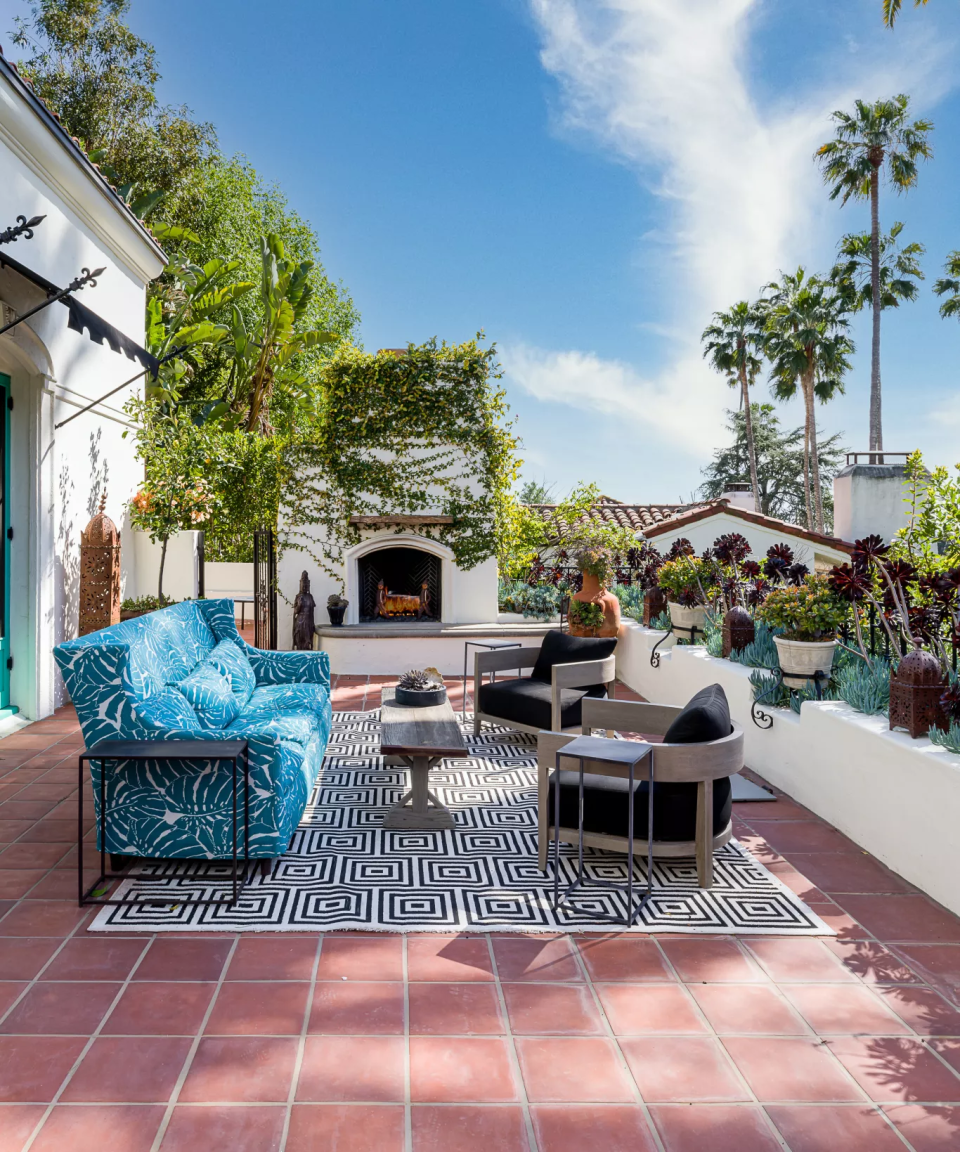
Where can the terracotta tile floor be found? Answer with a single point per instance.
(376, 1043)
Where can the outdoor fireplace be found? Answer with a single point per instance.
(399, 583)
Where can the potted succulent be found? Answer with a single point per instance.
(808, 616)
(420, 688)
(687, 581)
(594, 610)
(336, 606)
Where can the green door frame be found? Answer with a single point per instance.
(5, 654)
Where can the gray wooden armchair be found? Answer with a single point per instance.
(702, 764)
(531, 704)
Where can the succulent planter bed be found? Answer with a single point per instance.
(898, 798)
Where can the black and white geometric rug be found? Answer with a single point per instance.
(344, 871)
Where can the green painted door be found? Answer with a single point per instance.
(4, 541)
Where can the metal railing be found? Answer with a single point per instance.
(877, 638)
(876, 457)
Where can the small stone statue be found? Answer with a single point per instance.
(303, 616)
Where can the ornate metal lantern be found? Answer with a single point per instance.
(738, 631)
(915, 691)
(99, 573)
(654, 603)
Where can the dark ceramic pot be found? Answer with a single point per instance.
(336, 614)
(415, 699)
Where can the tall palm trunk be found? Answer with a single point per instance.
(814, 467)
(876, 422)
(806, 456)
(751, 447)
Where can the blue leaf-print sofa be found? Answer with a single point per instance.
(185, 673)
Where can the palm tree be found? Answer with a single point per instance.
(899, 269)
(876, 137)
(891, 10)
(950, 284)
(731, 342)
(806, 342)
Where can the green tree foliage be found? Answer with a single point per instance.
(537, 492)
(808, 348)
(899, 269)
(949, 286)
(732, 342)
(422, 431)
(891, 10)
(876, 139)
(779, 465)
(101, 81)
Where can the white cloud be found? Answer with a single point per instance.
(663, 84)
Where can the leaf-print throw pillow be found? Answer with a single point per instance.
(232, 662)
(211, 695)
(169, 709)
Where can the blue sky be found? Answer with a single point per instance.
(586, 181)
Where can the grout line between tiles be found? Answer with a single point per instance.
(181, 1079)
(85, 1049)
(407, 1096)
(512, 1047)
(301, 1046)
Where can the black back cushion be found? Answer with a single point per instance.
(705, 717)
(562, 648)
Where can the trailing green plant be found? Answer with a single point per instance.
(810, 611)
(761, 652)
(631, 600)
(949, 739)
(713, 635)
(586, 615)
(762, 683)
(865, 687)
(422, 431)
(146, 603)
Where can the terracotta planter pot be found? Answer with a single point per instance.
(684, 619)
(800, 659)
(592, 593)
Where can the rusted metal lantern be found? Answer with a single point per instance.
(739, 630)
(99, 573)
(654, 603)
(915, 691)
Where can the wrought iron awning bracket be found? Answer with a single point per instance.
(84, 280)
(23, 227)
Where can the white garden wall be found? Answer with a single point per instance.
(898, 798)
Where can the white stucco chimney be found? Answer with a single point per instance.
(870, 498)
(740, 495)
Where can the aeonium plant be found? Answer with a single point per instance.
(809, 612)
(688, 581)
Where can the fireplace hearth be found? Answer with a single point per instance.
(399, 584)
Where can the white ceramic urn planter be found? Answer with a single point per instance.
(804, 658)
(684, 619)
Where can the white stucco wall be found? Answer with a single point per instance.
(58, 476)
(896, 797)
(870, 498)
(702, 534)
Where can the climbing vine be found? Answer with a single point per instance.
(422, 430)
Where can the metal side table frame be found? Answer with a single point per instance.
(626, 754)
(490, 644)
(168, 751)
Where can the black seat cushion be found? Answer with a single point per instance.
(705, 717)
(562, 648)
(528, 701)
(605, 806)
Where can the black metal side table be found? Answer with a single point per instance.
(623, 756)
(166, 751)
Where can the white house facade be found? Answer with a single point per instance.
(53, 477)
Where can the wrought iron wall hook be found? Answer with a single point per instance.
(23, 227)
(655, 655)
(764, 719)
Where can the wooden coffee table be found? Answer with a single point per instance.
(418, 738)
